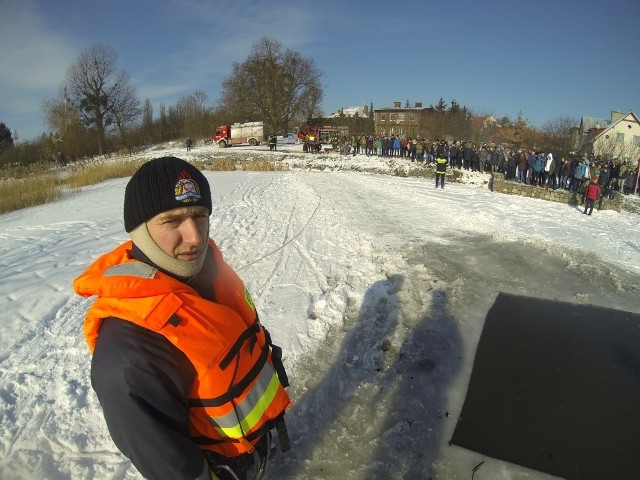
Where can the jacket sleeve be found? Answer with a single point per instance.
(142, 381)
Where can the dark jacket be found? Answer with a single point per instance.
(139, 364)
(467, 154)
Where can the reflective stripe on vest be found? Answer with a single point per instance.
(249, 412)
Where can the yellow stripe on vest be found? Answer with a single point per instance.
(248, 413)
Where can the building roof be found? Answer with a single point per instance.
(587, 123)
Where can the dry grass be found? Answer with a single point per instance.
(27, 187)
(263, 166)
(19, 193)
(101, 172)
(24, 171)
(218, 165)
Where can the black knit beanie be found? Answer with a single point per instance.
(163, 184)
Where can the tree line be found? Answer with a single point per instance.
(97, 110)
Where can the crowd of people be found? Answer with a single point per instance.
(528, 166)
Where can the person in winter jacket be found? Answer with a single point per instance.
(565, 173)
(591, 194)
(190, 383)
(493, 159)
(420, 150)
(579, 169)
(483, 157)
(453, 155)
(547, 173)
(603, 178)
(557, 165)
(531, 161)
(522, 167)
(397, 145)
(538, 167)
(467, 156)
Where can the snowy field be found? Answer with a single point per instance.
(376, 286)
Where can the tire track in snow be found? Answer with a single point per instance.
(50, 421)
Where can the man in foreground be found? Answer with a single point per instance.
(188, 379)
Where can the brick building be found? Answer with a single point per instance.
(404, 121)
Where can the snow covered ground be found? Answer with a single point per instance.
(376, 286)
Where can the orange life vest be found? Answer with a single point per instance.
(239, 390)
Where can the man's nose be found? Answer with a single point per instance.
(190, 232)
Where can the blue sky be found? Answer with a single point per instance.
(546, 59)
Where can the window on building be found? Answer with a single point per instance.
(383, 117)
(412, 116)
(401, 116)
(636, 140)
(620, 138)
(392, 116)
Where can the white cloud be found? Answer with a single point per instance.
(34, 62)
(35, 57)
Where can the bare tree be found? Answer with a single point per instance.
(102, 97)
(195, 115)
(69, 138)
(147, 121)
(124, 104)
(273, 84)
(558, 135)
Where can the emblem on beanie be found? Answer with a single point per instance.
(187, 190)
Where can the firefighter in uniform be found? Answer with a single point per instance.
(441, 168)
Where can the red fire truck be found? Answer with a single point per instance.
(250, 133)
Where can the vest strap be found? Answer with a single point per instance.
(276, 358)
(283, 434)
(235, 390)
(252, 331)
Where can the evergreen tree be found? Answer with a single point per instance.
(441, 107)
(6, 140)
(521, 132)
